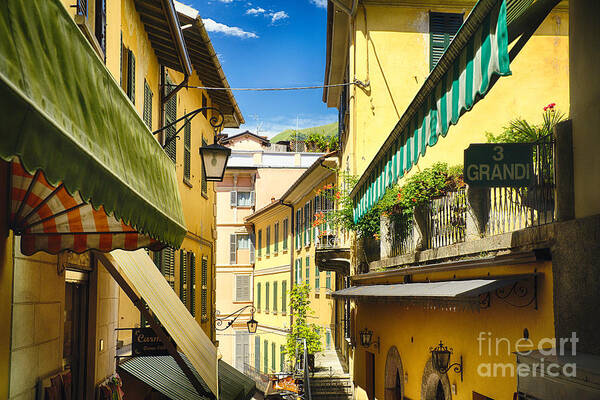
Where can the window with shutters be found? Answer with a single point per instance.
(183, 277)
(242, 350)
(252, 248)
(170, 117)
(267, 297)
(328, 340)
(130, 88)
(298, 228)
(167, 259)
(242, 288)
(240, 247)
(282, 358)
(258, 297)
(272, 356)
(298, 271)
(147, 111)
(317, 277)
(307, 224)
(268, 241)
(192, 258)
(257, 353)
(276, 238)
(442, 29)
(285, 234)
(275, 299)
(100, 24)
(204, 289)
(233, 249)
(328, 280)
(187, 144)
(266, 357)
(307, 266)
(259, 243)
(284, 297)
(204, 182)
(81, 8)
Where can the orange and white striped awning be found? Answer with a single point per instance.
(51, 219)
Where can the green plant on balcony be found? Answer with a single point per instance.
(301, 329)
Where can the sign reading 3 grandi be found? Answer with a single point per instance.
(499, 164)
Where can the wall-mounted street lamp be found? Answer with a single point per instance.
(214, 156)
(440, 358)
(252, 323)
(366, 337)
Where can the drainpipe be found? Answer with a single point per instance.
(291, 251)
(350, 11)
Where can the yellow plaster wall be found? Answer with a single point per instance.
(413, 330)
(397, 63)
(279, 338)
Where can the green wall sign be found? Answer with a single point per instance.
(499, 164)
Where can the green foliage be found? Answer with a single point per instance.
(520, 131)
(301, 329)
(328, 131)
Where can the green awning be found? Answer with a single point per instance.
(478, 54)
(64, 114)
(163, 374)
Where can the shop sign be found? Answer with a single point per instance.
(145, 342)
(499, 164)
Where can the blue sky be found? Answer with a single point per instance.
(264, 43)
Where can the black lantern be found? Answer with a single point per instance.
(440, 358)
(214, 161)
(252, 325)
(365, 337)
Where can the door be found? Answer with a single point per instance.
(370, 374)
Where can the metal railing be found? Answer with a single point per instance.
(302, 370)
(447, 222)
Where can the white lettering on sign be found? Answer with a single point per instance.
(480, 172)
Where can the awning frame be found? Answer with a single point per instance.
(141, 305)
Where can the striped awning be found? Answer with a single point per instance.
(477, 55)
(86, 171)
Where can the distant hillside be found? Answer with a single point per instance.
(327, 130)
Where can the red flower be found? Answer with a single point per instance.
(550, 107)
(338, 195)
(414, 200)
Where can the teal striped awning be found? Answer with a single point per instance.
(477, 55)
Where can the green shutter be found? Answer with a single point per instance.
(170, 116)
(442, 29)
(168, 265)
(317, 277)
(187, 144)
(257, 353)
(281, 358)
(275, 296)
(204, 289)
(266, 357)
(307, 265)
(267, 296)
(260, 243)
(276, 238)
(273, 356)
(328, 280)
(131, 76)
(204, 182)
(284, 296)
(147, 110)
(258, 295)
(182, 277)
(121, 62)
(285, 233)
(192, 283)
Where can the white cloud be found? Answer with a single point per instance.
(213, 26)
(319, 3)
(273, 125)
(276, 16)
(255, 11)
(226, 1)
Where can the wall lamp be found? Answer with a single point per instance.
(214, 156)
(366, 337)
(252, 323)
(440, 358)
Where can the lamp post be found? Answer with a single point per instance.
(214, 156)
(252, 324)
(440, 358)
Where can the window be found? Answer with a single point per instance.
(267, 297)
(328, 280)
(147, 111)
(283, 297)
(260, 243)
(276, 238)
(242, 288)
(183, 276)
(282, 358)
(187, 144)
(298, 228)
(307, 224)
(275, 296)
(170, 117)
(268, 252)
(75, 333)
(257, 353)
(204, 289)
(204, 183)
(100, 24)
(317, 277)
(81, 7)
(232, 249)
(242, 350)
(258, 296)
(298, 274)
(442, 29)
(266, 357)
(273, 356)
(165, 262)
(238, 242)
(130, 75)
(192, 283)
(242, 199)
(328, 340)
(307, 265)
(243, 241)
(285, 234)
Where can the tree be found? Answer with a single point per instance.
(301, 329)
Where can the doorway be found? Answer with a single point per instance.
(370, 375)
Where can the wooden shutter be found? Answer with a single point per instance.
(307, 265)
(204, 182)
(275, 296)
(257, 353)
(253, 198)
(192, 283)
(258, 296)
(183, 277)
(100, 24)
(283, 297)
(170, 116)
(267, 296)
(121, 63)
(82, 8)
(273, 356)
(168, 266)
(204, 289)
(187, 144)
(282, 358)
(232, 249)
(260, 243)
(147, 110)
(266, 357)
(276, 238)
(131, 75)
(242, 287)
(239, 349)
(317, 277)
(233, 198)
(285, 233)
(328, 280)
(252, 248)
(157, 258)
(268, 241)
(442, 29)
